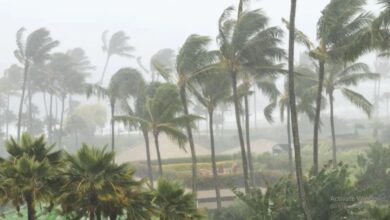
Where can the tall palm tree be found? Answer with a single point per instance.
(193, 59)
(242, 45)
(35, 49)
(93, 182)
(340, 77)
(342, 22)
(117, 45)
(30, 170)
(162, 117)
(70, 70)
(305, 104)
(211, 90)
(125, 83)
(294, 118)
(174, 203)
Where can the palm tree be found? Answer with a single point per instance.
(35, 49)
(242, 44)
(337, 31)
(9, 85)
(193, 59)
(30, 170)
(174, 203)
(162, 109)
(214, 90)
(117, 45)
(340, 77)
(70, 70)
(93, 180)
(305, 100)
(293, 110)
(125, 83)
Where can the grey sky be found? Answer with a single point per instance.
(152, 24)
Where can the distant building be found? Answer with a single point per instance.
(280, 148)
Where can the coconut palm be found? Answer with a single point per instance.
(174, 203)
(117, 45)
(70, 70)
(242, 44)
(9, 86)
(193, 59)
(337, 31)
(340, 77)
(93, 181)
(293, 110)
(211, 90)
(35, 49)
(125, 83)
(162, 117)
(31, 171)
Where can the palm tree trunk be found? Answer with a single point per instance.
(290, 155)
(45, 102)
(91, 215)
(294, 117)
(248, 142)
(61, 120)
(50, 132)
(317, 116)
(7, 119)
(183, 98)
(113, 216)
(213, 160)
(160, 169)
(29, 127)
(239, 130)
(105, 68)
(30, 207)
(26, 67)
(334, 151)
(112, 104)
(148, 160)
(255, 105)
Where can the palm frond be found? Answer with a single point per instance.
(358, 100)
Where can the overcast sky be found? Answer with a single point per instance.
(152, 24)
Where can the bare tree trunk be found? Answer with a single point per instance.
(105, 68)
(19, 125)
(290, 155)
(334, 148)
(294, 117)
(50, 131)
(45, 103)
(160, 169)
(30, 207)
(61, 120)
(239, 130)
(248, 142)
(213, 160)
(317, 118)
(183, 98)
(148, 160)
(29, 96)
(112, 104)
(7, 119)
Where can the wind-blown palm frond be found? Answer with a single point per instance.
(358, 100)
(268, 110)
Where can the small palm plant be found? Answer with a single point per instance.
(30, 172)
(95, 185)
(173, 203)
